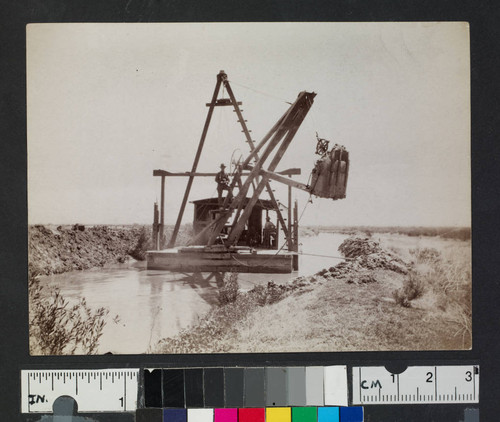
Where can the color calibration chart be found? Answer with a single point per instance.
(273, 394)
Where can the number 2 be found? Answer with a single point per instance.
(429, 377)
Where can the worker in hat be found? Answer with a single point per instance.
(270, 233)
(222, 180)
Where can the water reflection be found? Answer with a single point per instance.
(153, 304)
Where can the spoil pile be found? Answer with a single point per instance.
(63, 249)
(354, 247)
(363, 256)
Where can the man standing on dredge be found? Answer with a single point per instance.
(222, 179)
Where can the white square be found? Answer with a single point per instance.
(336, 385)
(200, 415)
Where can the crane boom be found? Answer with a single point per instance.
(279, 137)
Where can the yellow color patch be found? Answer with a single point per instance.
(278, 414)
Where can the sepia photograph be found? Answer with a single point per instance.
(248, 187)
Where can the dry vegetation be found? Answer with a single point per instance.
(58, 328)
(459, 233)
(395, 293)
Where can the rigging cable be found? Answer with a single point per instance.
(261, 92)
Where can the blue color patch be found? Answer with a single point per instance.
(174, 415)
(351, 414)
(328, 414)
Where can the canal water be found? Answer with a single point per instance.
(153, 304)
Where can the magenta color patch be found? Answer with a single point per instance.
(226, 415)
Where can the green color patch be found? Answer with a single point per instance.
(304, 414)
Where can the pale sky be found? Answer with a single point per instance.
(109, 103)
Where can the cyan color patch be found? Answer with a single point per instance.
(328, 414)
(351, 414)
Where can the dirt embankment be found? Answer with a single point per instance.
(63, 249)
(348, 307)
(364, 257)
(318, 297)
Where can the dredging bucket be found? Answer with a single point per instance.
(329, 176)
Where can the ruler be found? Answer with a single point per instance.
(416, 385)
(95, 390)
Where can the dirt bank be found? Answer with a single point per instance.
(58, 250)
(347, 307)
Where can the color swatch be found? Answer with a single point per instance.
(173, 387)
(226, 415)
(278, 414)
(174, 415)
(254, 387)
(328, 414)
(255, 414)
(234, 379)
(304, 414)
(296, 384)
(314, 386)
(276, 387)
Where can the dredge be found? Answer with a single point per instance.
(230, 234)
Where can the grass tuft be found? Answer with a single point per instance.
(228, 293)
(413, 288)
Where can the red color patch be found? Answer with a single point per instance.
(251, 415)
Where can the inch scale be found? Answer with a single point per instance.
(95, 390)
(416, 385)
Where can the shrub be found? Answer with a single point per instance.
(413, 288)
(426, 254)
(271, 293)
(142, 245)
(228, 293)
(57, 328)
